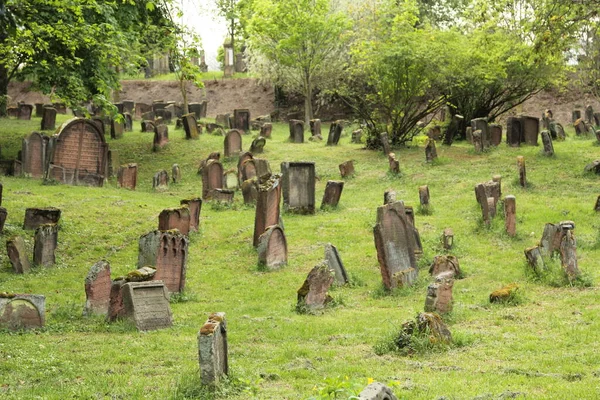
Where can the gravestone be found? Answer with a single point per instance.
(116, 129)
(522, 171)
(272, 248)
(212, 178)
(469, 134)
(356, 136)
(230, 179)
(477, 140)
(232, 143)
(448, 239)
(223, 195)
(224, 121)
(34, 155)
(266, 129)
(510, 217)
(395, 244)
(589, 114)
(128, 122)
(439, 294)
(254, 168)
(580, 127)
(175, 218)
(190, 126)
(250, 191)
(215, 155)
(315, 127)
(113, 163)
(25, 111)
(596, 208)
(48, 119)
(127, 176)
(258, 145)
(424, 197)
(176, 173)
(495, 134)
(531, 129)
(535, 260)
(298, 182)
(296, 131)
(195, 206)
(177, 111)
(334, 261)
(22, 311)
(332, 194)
(167, 251)
(148, 126)
(97, 289)
(142, 108)
(393, 163)
(147, 305)
(335, 131)
(39, 110)
(514, 131)
(594, 166)
(203, 108)
(80, 154)
(149, 116)
(313, 293)
(241, 119)
(34, 217)
(212, 349)
(568, 253)
(481, 124)
(158, 105)
(385, 143)
(430, 150)
(164, 116)
(267, 206)
(487, 204)
(346, 168)
(575, 115)
(45, 242)
(128, 106)
(161, 137)
(3, 215)
(160, 181)
(17, 255)
(195, 108)
(452, 129)
(119, 107)
(447, 265)
(551, 239)
(548, 146)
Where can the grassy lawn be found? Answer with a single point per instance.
(544, 347)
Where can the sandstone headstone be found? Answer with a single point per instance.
(448, 239)
(393, 163)
(266, 129)
(223, 195)
(335, 131)
(347, 168)
(568, 254)
(495, 134)
(551, 239)
(296, 131)
(167, 251)
(445, 265)
(48, 119)
(212, 349)
(522, 171)
(195, 207)
(35, 217)
(45, 242)
(160, 181)
(298, 182)
(17, 255)
(117, 128)
(241, 167)
(161, 137)
(34, 155)
(313, 293)
(267, 206)
(147, 304)
(22, 311)
(272, 248)
(333, 259)
(212, 178)
(531, 129)
(424, 197)
(439, 294)
(241, 119)
(127, 176)
(510, 215)
(176, 173)
(332, 194)
(534, 259)
(589, 114)
(175, 218)
(232, 143)
(482, 199)
(190, 126)
(357, 136)
(97, 289)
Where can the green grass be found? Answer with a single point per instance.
(543, 347)
(172, 77)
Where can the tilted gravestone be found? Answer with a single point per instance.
(514, 131)
(258, 145)
(232, 143)
(267, 206)
(195, 206)
(332, 194)
(241, 119)
(212, 349)
(298, 183)
(439, 294)
(333, 259)
(127, 176)
(296, 131)
(394, 163)
(34, 155)
(487, 203)
(548, 146)
(315, 127)
(272, 248)
(161, 137)
(190, 126)
(160, 181)
(80, 154)
(346, 168)
(22, 311)
(167, 251)
(395, 244)
(17, 255)
(335, 131)
(212, 178)
(240, 166)
(535, 259)
(97, 289)
(313, 295)
(48, 119)
(175, 218)
(147, 305)
(266, 129)
(45, 242)
(35, 217)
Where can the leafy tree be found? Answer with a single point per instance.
(298, 44)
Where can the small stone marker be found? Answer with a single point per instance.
(45, 242)
(161, 136)
(212, 178)
(481, 124)
(547, 142)
(195, 207)
(190, 126)
(22, 311)
(116, 129)
(495, 134)
(313, 293)
(335, 131)
(377, 391)
(15, 249)
(430, 324)
(298, 183)
(127, 176)
(230, 179)
(49, 119)
(266, 129)
(166, 251)
(568, 253)
(430, 150)
(35, 217)
(445, 265)
(3, 215)
(357, 136)
(315, 127)
(175, 218)
(232, 143)
(424, 197)
(160, 181)
(333, 259)
(448, 239)
(333, 192)
(534, 259)
(212, 349)
(394, 163)
(477, 140)
(510, 215)
(522, 171)
(176, 173)
(97, 289)
(272, 248)
(258, 145)
(147, 304)
(296, 131)
(439, 294)
(347, 168)
(594, 166)
(385, 143)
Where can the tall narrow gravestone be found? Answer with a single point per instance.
(4, 214)
(127, 176)
(212, 178)
(241, 119)
(195, 206)
(190, 126)
(522, 171)
(548, 146)
(514, 131)
(531, 130)
(333, 259)
(298, 183)
(97, 289)
(430, 150)
(175, 218)
(147, 304)
(166, 251)
(22, 311)
(48, 119)
(272, 248)
(267, 206)
(315, 127)
(333, 192)
(296, 131)
(45, 242)
(481, 124)
(510, 215)
(117, 128)
(34, 155)
(195, 108)
(395, 244)
(232, 143)
(17, 255)
(335, 131)
(212, 349)
(266, 129)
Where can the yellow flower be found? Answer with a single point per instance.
(370, 380)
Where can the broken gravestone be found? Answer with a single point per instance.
(347, 169)
(15, 249)
(313, 293)
(127, 176)
(22, 311)
(439, 294)
(35, 217)
(332, 194)
(190, 126)
(212, 349)
(522, 171)
(445, 265)
(195, 206)
(335, 131)
(97, 289)
(166, 251)
(147, 305)
(272, 248)
(535, 259)
(267, 206)
(448, 239)
(333, 259)
(160, 181)
(45, 242)
(175, 173)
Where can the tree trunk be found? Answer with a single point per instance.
(3, 90)
(183, 88)
(308, 109)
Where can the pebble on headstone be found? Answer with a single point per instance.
(175, 218)
(313, 293)
(258, 145)
(195, 207)
(272, 248)
(212, 349)
(15, 249)
(298, 186)
(385, 143)
(335, 131)
(296, 131)
(167, 251)
(22, 311)
(568, 253)
(439, 294)
(445, 264)
(347, 168)
(430, 150)
(522, 171)
(35, 217)
(504, 294)
(45, 242)
(332, 194)
(127, 176)
(315, 127)
(510, 215)
(448, 239)
(424, 197)
(267, 206)
(97, 289)
(394, 163)
(377, 391)
(534, 259)
(333, 259)
(160, 181)
(147, 304)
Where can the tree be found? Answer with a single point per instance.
(298, 44)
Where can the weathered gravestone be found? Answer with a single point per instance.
(430, 150)
(80, 154)
(335, 131)
(17, 255)
(486, 202)
(548, 146)
(377, 391)
(535, 259)
(258, 145)
(410, 215)
(332, 194)
(128, 106)
(212, 349)
(166, 251)
(158, 105)
(230, 179)
(531, 130)
(164, 116)
(445, 265)
(452, 129)
(195, 108)
(522, 171)
(3, 215)
(22, 311)
(589, 114)
(117, 128)
(575, 115)
(594, 167)
(97, 289)
(469, 134)
(45, 242)
(439, 294)
(514, 131)
(448, 239)
(254, 168)
(35, 217)
(272, 248)
(267, 206)
(240, 166)
(25, 111)
(424, 197)
(389, 196)
(39, 110)
(148, 126)
(393, 163)
(48, 119)
(113, 163)
(160, 181)
(224, 120)
(232, 143)
(481, 124)
(175, 218)
(298, 182)
(195, 206)
(190, 126)
(147, 305)
(212, 178)
(395, 244)
(568, 253)
(477, 140)
(241, 119)
(296, 131)
(175, 173)
(266, 129)
(356, 136)
(127, 176)
(510, 215)
(596, 208)
(223, 195)
(334, 261)
(250, 191)
(34, 155)
(551, 239)
(346, 168)
(315, 127)
(127, 122)
(495, 134)
(215, 155)
(313, 293)
(141, 109)
(161, 137)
